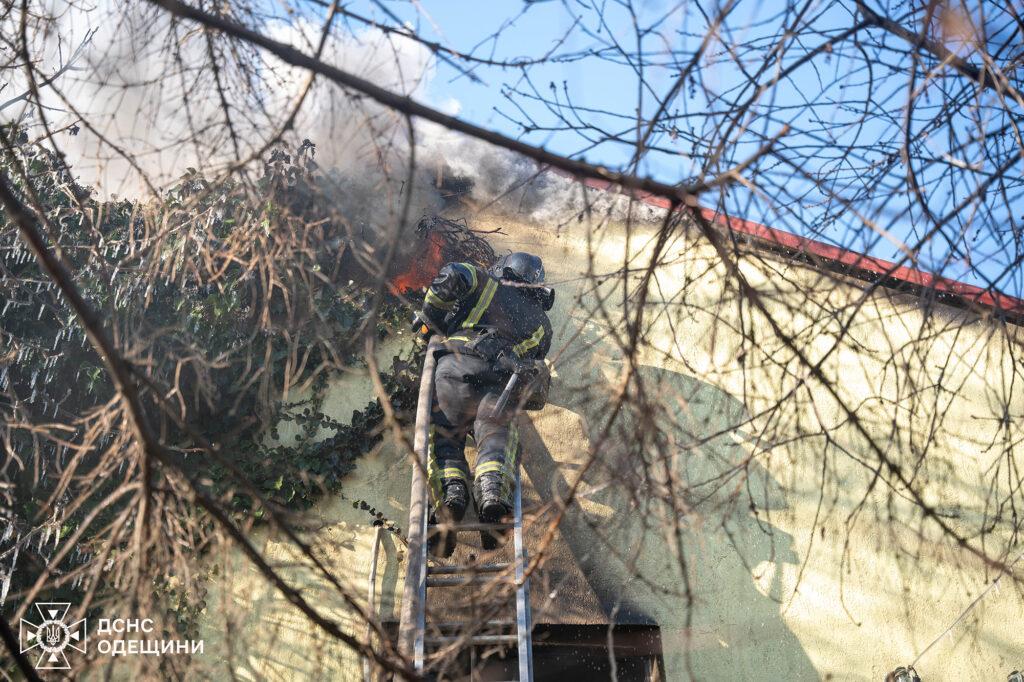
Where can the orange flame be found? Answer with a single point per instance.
(422, 267)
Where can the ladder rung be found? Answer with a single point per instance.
(476, 639)
(466, 527)
(454, 625)
(452, 580)
(466, 568)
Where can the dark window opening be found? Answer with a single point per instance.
(580, 653)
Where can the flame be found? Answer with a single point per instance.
(422, 267)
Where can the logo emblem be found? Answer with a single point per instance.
(52, 636)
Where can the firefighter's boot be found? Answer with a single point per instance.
(455, 499)
(492, 507)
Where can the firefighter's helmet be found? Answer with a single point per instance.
(519, 267)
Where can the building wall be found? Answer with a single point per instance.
(800, 563)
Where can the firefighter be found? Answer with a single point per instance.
(494, 324)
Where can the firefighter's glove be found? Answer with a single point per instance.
(422, 327)
(510, 363)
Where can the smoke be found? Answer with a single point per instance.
(147, 108)
(141, 86)
(133, 89)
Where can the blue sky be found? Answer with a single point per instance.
(823, 99)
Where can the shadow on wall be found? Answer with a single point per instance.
(725, 624)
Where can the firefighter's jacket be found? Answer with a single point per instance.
(482, 316)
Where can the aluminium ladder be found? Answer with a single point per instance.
(413, 640)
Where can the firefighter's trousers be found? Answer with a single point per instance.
(465, 391)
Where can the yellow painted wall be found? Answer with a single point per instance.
(799, 567)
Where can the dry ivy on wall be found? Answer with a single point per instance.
(210, 292)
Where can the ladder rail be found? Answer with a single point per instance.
(421, 602)
(412, 615)
(524, 621)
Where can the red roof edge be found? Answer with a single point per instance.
(889, 275)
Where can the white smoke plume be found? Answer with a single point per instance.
(144, 87)
(147, 108)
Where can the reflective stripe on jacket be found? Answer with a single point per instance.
(466, 302)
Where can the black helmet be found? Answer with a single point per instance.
(902, 674)
(519, 267)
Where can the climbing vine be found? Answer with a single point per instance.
(231, 298)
